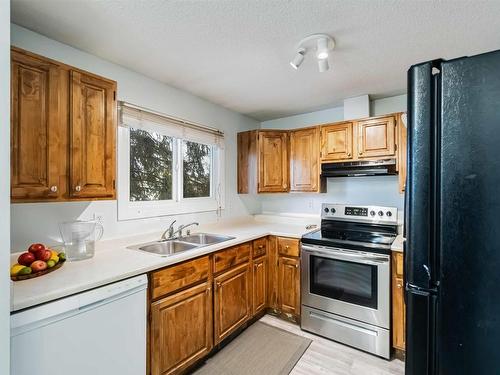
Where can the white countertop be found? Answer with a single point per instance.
(397, 245)
(113, 261)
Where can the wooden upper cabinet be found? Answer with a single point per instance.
(402, 127)
(273, 162)
(63, 131)
(263, 162)
(181, 329)
(304, 159)
(93, 133)
(35, 128)
(232, 300)
(336, 142)
(376, 137)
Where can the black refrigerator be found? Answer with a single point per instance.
(452, 218)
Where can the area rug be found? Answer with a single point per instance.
(260, 349)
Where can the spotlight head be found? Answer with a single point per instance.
(322, 48)
(323, 65)
(298, 58)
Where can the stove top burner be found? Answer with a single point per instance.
(353, 228)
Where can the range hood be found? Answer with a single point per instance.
(359, 168)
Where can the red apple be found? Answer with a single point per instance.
(26, 259)
(43, 255)
(38, 265)
(35, 247)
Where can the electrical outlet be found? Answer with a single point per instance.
(99, 217)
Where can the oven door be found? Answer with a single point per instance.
(350, 283)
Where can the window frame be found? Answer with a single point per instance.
(129, 210)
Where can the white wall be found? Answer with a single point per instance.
(306, 119)
(376, 190)
(4, 185)
(38, 222)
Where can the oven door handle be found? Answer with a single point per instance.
(343, 255)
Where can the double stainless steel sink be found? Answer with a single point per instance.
(180, 244)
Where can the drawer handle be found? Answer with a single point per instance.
(53, 189)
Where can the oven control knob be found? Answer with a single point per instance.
(380, 213)
(388, 213)
(332, 210)
(326, 210)
(372, 213)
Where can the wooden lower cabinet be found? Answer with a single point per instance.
(199, 303)
(398, 303)
(260, 277)
(232, 300)
(181, 329)
(289, 287)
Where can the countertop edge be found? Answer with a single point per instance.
(168, 261)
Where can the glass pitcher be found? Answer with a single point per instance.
(79, 238)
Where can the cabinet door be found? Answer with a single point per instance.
(376, 137)
(336, 142)
(93, 134)
(232, 301)
(289, 286)
(181, 329)
(402, 148)
(398, 304)
(260, 285)
(273, 162)
(35, 128)
(304, 159)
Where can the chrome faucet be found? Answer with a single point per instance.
(169, 232)
(182, 227)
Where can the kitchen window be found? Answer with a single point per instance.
(167, 166)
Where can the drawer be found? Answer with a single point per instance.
(397, 263)
(288, 246)
(170, 279)
(259, 247)
(231, 257)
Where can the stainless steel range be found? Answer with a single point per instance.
(346, 276)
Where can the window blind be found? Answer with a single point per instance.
(140, 118)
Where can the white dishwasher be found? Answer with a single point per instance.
(101, 331)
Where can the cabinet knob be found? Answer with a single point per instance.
(261, 247)
(296, 266)
(349, 154)
(78, 188)
(53, 189)
(400, 286)
(360, 152)
(287, 247)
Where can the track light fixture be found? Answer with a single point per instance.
(322, 44)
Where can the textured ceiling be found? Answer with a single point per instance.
(236, 52)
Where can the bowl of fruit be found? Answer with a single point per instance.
(37, 261)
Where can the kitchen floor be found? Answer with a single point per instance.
(328, 357)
